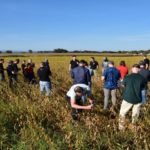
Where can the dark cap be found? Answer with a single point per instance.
(136, 66)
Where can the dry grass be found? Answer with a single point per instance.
(31, 121)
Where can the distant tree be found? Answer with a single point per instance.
(60, 50)
(76, 51)
(0, 51)
(9, 51)
(30, 51)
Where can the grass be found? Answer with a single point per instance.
(30, 121)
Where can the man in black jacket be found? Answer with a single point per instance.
(11, 73)
(45, 83)
(16, 69)
(146, 74)
(146, 61)
(47, 65)
(94, 65)
(73, 63)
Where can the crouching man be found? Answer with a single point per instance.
(77, 96)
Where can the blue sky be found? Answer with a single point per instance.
(74, 24)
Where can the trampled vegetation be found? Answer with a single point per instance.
(31, 121)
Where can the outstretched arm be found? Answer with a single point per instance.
(76, 106)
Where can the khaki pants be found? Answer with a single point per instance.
(107, 93)
(125, 107)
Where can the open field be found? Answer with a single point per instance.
(31, 121)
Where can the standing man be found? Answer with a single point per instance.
(47, 65)
(110, 78)
(123, 69)
(146, 74)
(132, 96)
(30, 62)
(90, 70)
(30, 72)
(73, 63)
(45, 83)
(81, 74)
(94, 65)
(76, 97)
(16, 69)
(11, 73)
(105, 64)
(2, 76)
(24, 67)
(146, 61)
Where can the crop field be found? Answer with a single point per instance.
(30, 121)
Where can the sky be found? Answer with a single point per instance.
(74, 24)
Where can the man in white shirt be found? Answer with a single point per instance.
(76, 96)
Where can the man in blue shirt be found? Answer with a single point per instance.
(81, 74)
(110, 78)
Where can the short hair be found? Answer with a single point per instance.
(78, 89)
(93, 58)
(105, 59)
(82, 61)
(111, 62)
(43, 63)
(122, 63)
(136, 66)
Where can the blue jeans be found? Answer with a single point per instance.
(144, 96)
(45, 87)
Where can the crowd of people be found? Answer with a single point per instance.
(27, 69)
(133, 85)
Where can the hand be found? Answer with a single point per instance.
(90, 106)
(91, 101)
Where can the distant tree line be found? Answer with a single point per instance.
(61, 50)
